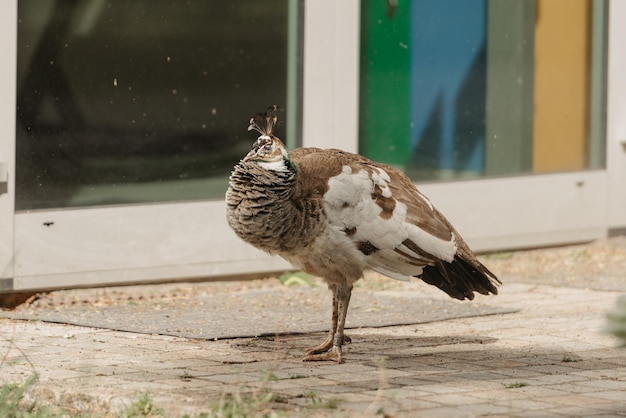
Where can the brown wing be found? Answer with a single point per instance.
(397, 228)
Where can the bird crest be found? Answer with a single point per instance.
(264, 123)
(268, 151)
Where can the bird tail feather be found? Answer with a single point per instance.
(461, 278)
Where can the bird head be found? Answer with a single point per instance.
(268, 151)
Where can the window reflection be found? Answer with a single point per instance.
(468, 88)
(139, 101)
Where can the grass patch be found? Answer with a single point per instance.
(142, 407)
(515, 385)
(256, 403)
(570, 359)
(12, 402)
(319, 403)
(243, 405)
(297, 278)
(616, 320)
(186, 376)
(12, 395)
(504, 255)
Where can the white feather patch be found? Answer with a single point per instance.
(381, 179)
(349, 204)
(274, 165)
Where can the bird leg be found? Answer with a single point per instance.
(328, 342)
(336, 337)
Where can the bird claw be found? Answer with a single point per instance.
(325, 346)
(333, 355)
(322, 348)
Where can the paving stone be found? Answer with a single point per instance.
(613, 395)
(581, 400)
(453, 399)
(516, 372)
(535, 414)
(416, 406)
(483, 409)
(450, 412)
(606, 384)
(526, 392)
(551, 379)
(576, 411)
(524, 404)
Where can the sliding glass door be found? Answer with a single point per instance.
(122, 121)
(498, 108)
(129, 118)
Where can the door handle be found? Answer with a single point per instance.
(4, 178)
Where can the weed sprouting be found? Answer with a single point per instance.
(143, 407)
(515, 385)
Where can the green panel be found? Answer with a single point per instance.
(510, 70)
(385, 81)
(597, 105)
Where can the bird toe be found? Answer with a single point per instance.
(333, 355)
(322, 348)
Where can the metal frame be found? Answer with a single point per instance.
(94, 246)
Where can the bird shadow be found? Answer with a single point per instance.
(360, 347)
(441, 358)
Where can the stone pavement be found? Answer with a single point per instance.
(549, 359)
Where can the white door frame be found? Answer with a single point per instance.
(8, 68)
(616, 117)
(94, 246)
(331, 74)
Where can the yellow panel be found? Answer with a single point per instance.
(561, 85)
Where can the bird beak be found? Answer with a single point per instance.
(250, 155)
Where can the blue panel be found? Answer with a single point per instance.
(448, 76)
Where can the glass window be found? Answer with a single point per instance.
(470, 88)
(123, 102)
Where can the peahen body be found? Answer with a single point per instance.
(334, 214)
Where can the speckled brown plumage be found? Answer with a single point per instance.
(333, 214)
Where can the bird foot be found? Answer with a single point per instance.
(322, 348)
(333, 355)
(326, 345)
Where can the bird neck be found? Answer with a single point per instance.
(285, 175)
(268, 209)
